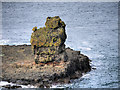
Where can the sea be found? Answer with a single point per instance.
(91, 27)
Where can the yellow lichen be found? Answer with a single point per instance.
(34, 28)
(58, 42)
(53, 22)
(48, 38)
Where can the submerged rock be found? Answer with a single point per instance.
(48, 42)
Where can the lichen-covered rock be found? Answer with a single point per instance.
(48, 45)
(48, 37)
(54, 22)
(48, 40)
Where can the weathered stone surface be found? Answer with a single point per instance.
(19, 67)
(49, 40)
(54, 22)
(53, 62)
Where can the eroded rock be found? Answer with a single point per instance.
(48, 42)
(53, 62)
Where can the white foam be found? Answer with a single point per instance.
(58, 86)
(84, 42)
(7, 42)
(85, 75)
(84, 48)
(4, 42)
(3, 83)
(20, 43)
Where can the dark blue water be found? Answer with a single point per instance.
(91, 28)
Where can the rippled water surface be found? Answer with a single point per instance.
(91, 28)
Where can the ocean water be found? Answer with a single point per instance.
(91, 27)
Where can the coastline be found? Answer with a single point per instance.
(18, 67)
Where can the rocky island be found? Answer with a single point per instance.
(46, 60)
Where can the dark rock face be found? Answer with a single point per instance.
(11, 87)
(48, 42)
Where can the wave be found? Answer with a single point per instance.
(60, 86)
(3, 83)
(4, 42)
(84, 48)
(8, 42)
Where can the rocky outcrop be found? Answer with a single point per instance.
(48, 42)
(19, 67)
(47, 62)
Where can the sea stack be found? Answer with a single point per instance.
(48, 62)
(48, 42)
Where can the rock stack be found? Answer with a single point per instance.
(48, 42)
(53, 62)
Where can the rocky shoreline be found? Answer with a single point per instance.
(18, 66)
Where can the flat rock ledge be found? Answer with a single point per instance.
(18, 66)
